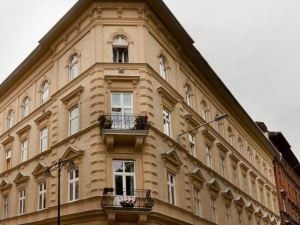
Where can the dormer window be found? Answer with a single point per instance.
(44, 92)
(163, 67)
(25, 107)
(10, 118)
(73, 66)
(120, 50)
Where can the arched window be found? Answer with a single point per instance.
(205, 111)
(73, 66)
(188, 94)
(120, 50)
(230, 135)
(10, 119)
(240, 145)
(25, 107)
(163, 70)
(44, 92)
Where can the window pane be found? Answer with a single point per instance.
(116, 99)
(77, 190)
(129, 166)
(127, 99)
(129, 185)
(71, 192)
(118, 166)
(119, 185)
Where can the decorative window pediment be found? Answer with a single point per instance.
(267, 218)
(21, 178)
(273, 221)
(166, 97)
(72, 153)
(244, 167)
(7, 141)
(234, 158)
(239, 201)
(197, 176)
(45, 116)
(5, 185)
(253, 174)
(227, 194)
(249, 207)
(75, 94)
(119, 82)
(39, 169)
(191, 120)
(258, 212)
(260, 180)
(24, 130)
(208, 135)
(222, 147)
(214, 186)
(172, 158)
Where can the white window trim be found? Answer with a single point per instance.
(22, 198)
(43, 138)
(8, 157)
(73, 181)
(73, 118)
(171, 188)
(197, 201)
(5, 206)
(208, 156)
(213, 208)
(74, 64)
(192, 144)
(167, 122)
(44, 92)
(163, 69)
(24, 150)
(42, 196)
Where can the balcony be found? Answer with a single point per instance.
(127, 200)
(123, 129)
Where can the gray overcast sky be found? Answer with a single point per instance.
(253, 45)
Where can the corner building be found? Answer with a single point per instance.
(110, 87)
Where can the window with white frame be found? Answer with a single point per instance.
(24, 150)
(73, 120)
(21, 202)
(7, 159)
(228, 215)
(171, 188)
(222, 163)
(167, 122)
(124, 179)
(5, 206)
(43, 139)
(25, 107)
(73, 66)
(208, 156)
(234, 175)
(188, 94)
(205, 111)
(163, 69)
(73, 185)
(44, 92)
(42, 195)
(213, 209)
(120, 49)
(121, 108)
(192, 145)
(197, 201)
(10, 119)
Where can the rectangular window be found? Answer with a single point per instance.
(262, 197)
(5, 206)
(73, 120)
(254, 189)
(208, 156)
(7, 159)
(22, 202)
(73, 185)
(121, 108)
(44, 139)
(24, 146)
(197, 201)
(245, 182)
(42, 196)
(222, 162)
(192, 144)
(234, 175)
(213, 209)
(171, 188)
(167, 122)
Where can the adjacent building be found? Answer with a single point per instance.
(110, 88)
(287, 171)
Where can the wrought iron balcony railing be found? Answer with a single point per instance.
(123, 122)
(119, 199)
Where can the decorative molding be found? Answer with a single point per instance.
(165, 94)
(222, 147)
(21, 178)
(208, 135)
(213, 186)
(25, 129)
(191, 119)
(5, 185)
(8, 140)
(197, 176)
(113, 78)
(39, 169)
(244, 167)
(172, 157)
(72, 153)
(44, 116)
(75, 93)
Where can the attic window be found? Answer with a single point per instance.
(120, 50)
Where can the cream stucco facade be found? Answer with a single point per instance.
(220, 174)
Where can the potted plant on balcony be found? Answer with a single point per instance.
(105, 123)
(141, 122)
(127, 203)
